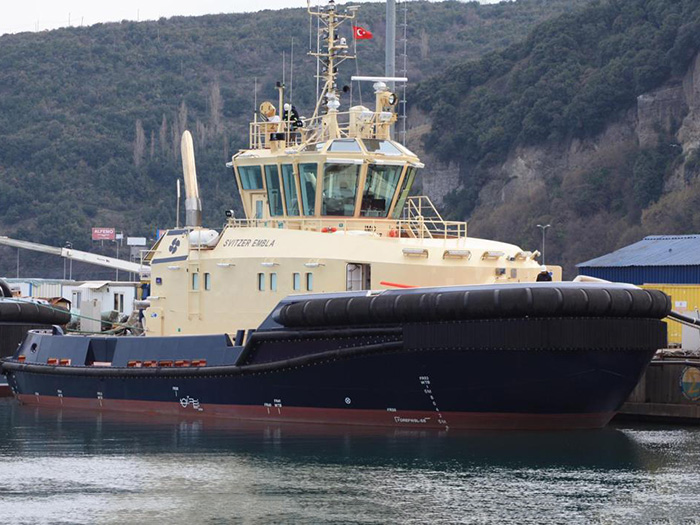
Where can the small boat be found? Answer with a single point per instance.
(341, 298)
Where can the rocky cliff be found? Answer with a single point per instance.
(579, 184)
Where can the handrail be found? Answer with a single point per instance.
(317, 129)
(419, 220)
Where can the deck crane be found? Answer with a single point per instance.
(142, 269)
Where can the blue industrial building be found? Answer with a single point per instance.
(667, 259)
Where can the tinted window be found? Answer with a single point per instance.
(346, 145)
(307, 181)
(405, 190)
(290, 190)
(339, 189)
(274, 194)
(251, 177)
(380, 187)
(381, 146)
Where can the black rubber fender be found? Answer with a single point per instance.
(5, 289)
(477, 303)
(12, 311)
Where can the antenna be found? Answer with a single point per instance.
(318, 49)
(390, 51)
(291, 73)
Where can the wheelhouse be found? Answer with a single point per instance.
(350, 178)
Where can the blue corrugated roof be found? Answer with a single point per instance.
(654, 250)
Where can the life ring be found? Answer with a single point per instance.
(393, 233)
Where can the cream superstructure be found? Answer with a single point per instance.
(328, 208)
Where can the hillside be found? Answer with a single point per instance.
(90, 118)
(589, 124)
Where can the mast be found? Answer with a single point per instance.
(336, 52)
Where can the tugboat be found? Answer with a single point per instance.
(341, 298)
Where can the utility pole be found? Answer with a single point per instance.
(543, 227)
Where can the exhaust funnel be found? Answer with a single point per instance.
(193, 205)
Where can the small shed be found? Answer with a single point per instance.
(111, 295)
(659, 259)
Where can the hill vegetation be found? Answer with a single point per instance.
(91, 117)
(568, 80)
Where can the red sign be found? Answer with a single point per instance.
(103, 234)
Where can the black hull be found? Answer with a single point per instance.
(465, 390)
(546, 372)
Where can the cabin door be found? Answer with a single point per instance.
(358, 277)
(259, 201)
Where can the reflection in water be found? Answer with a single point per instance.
(87, 467)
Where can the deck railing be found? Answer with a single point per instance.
(419, 220)
(365, 124)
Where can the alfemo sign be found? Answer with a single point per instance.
(103, 234)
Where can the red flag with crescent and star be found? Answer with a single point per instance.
(360, 33)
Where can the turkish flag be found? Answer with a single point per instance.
(360, 33)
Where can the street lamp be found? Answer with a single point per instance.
(69, 246)
(544, 229)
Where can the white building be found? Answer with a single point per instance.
(110, 295)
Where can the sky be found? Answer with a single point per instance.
(39, 15)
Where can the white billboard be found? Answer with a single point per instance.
(136, 241)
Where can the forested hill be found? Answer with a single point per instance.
(91, 117)
(587, 124)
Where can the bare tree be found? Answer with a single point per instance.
(139, 144)
(424, 46)
(216, 106)
(152, 152)
(163, 136)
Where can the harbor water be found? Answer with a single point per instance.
(68, 467)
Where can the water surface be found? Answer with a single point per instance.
(69, 467)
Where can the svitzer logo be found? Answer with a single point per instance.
(174, 245)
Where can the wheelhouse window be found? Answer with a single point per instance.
(290, 190)
(273, 282)
(207, 281)
(339, 189)
(261, 282)
(381, 146)
(296, 281)
(405, 190)
(195, 281)
(380, 187)
(308, 174)
(274, 193)
(309, 281)
(251, 177)
(345, 146)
